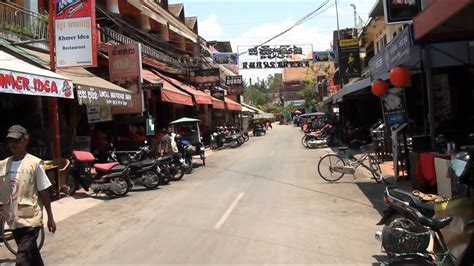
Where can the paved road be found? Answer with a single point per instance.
(262, 203)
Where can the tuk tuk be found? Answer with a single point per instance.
(190, 133)
(307, 119)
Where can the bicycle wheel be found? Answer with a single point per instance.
(10, 242)
(375, 169)
(325, 165)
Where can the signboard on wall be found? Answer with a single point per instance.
(96, 114)
(235, 84)
(324, 57)
(401, 11)
(27, 84)
(206, 78)
(225, 58)
(349, 59)
(274, 56)
(125, 70)
(394, 110)
(75, 33)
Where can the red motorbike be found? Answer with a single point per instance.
(110, 178)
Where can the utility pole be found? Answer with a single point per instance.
(337, 18)
(354, 34)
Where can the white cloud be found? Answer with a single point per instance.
(210, 28)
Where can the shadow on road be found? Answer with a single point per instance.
(2, 261)
(373, 192)
(301, 187)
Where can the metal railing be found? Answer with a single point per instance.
(18, 20)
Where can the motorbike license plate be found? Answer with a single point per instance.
(181, 160)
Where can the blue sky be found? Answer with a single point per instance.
(247, 22)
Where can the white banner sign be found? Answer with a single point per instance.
(27, 84)
(74, 46)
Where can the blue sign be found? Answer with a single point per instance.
(324, 57)
(396, 53)
(225, 58)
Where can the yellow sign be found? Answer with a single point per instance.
(349, 42)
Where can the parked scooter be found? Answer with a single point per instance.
(110, 178)
(409, 224)
(144, 172)
(318, 138)
(219, 140)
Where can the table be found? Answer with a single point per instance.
(53, 174)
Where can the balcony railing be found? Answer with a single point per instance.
(108, 35)
(18, 20)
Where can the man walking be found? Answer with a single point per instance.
(23, 193)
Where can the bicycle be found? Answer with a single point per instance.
(338, 166)
(6, 236)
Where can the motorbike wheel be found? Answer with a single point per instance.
(154, 179)
(203, 158)
(234, 144)
(213, 145)
(72, 185)
(189, 163)
(176, 171)
(124, 184)
(304, 142)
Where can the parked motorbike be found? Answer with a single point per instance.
(144, 172)
(318, 138)
(110, 178)
(219, 140)
(185, 155)
(409, 224)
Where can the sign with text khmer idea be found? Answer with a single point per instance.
(75, 33)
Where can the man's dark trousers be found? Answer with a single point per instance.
(28, 252)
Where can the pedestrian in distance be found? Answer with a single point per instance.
(23, 193)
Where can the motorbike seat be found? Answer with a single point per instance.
(105, 167)
(436, 223)
(143, 163)
(165, 158)
(427, 208)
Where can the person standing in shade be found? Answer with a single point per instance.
(23, 193)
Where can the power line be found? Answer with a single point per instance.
(299, 22)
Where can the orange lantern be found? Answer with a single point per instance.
(379, 87)
(400, 76)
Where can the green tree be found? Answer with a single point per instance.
(310, 93)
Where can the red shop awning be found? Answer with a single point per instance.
(199, 96)
(168, 93)
(231, 105)
(218, 104)
(445, 20)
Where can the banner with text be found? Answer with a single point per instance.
(125, 70)
(225, 58)
(274, 56)
(75, 33)
(27, 84)
(349, 59)
(207, 78)
(235, 84)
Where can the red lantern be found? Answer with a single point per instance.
(379, 87)
(400, 76)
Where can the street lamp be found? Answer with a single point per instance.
(354, 34)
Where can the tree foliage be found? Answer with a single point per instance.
(312, 88)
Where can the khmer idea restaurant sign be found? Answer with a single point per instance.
(75, 33)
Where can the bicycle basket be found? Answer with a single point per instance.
(402, 236)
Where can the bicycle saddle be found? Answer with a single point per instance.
(343, 148)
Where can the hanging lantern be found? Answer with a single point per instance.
(379, 87)
(400, 76)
